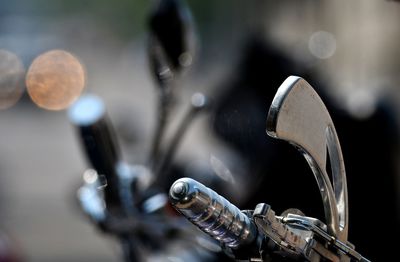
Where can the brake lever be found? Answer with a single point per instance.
(298, 116)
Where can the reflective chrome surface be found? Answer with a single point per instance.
(211, 213)
(302, 238)
(91, 198)
(98, 139)
(257, 235)
(299, 116)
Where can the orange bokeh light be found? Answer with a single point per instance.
(55, 80)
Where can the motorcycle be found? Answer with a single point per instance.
(129, 201)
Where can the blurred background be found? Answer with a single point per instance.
(351, 47)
